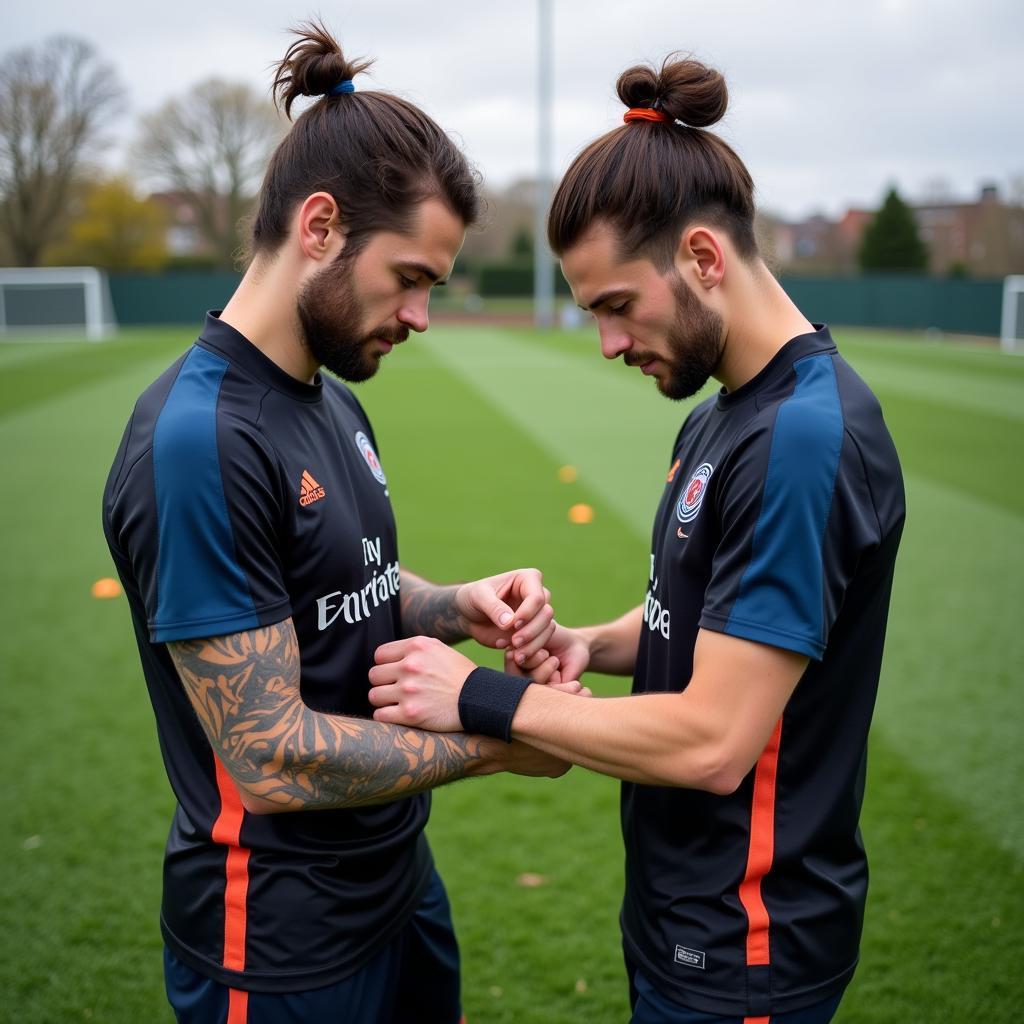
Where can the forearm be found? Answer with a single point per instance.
(656, 739)
(429, 610)
(350, 762)
(614, 645)
(285, 756)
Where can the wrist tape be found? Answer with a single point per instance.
(488, 702)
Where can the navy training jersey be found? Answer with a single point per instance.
(241, 496)
(779, 524)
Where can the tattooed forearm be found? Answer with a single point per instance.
(429, 610)
(245, 690)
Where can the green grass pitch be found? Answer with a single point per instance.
(473, 424)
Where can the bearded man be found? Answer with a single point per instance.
(249, 519)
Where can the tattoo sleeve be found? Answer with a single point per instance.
(429, 610)
(245, 690)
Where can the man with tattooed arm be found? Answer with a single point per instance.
(248, 515)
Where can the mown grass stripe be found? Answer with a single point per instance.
(70, 369)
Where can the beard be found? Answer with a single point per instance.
(695, 342)
(332, 315)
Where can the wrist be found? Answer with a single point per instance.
(494, 757)
(488, 702)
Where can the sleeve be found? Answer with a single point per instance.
(217, 494)
(784, 559)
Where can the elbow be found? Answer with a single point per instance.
(724, 781)
(254, 797)
(255, 804)
(716, 771)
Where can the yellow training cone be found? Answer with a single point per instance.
(568, 474)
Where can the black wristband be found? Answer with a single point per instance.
(488, 702)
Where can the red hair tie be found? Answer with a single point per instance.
(646, 114)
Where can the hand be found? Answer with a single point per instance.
(566, 657)
(509, 611)
(521, 759)
(417, 682)
(543, 668)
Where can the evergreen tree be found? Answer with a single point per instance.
(891, 241)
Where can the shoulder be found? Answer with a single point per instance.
(209, 414)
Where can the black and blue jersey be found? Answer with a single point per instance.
(779, 524)
(241, 496)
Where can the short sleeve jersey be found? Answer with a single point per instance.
(779, 524)
(241, 496)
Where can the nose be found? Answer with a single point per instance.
(413, 314)
(613, 341)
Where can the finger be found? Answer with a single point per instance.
(569, 686)
(511, 667)
(573, 665)
(538, 642)
(396, 650)
(392, 714)
(383, 695)
(532, 625)
(529, 607)
(535, 659)
(384, 675)
(544, 671)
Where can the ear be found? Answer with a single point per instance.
(701, 257)
(319, 227)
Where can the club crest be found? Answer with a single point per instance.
(370, 457)
(693, 493)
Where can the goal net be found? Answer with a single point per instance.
(62, 299)
(1012, 334)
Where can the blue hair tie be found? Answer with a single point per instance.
(343, 87)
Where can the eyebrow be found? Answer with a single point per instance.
(603, 298)
(427, 272)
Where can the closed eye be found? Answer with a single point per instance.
(619, 309)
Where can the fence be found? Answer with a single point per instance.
(893, 300)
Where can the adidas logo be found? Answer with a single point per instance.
(309, 489)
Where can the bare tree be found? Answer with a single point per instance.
(54, 101)
(211, 146)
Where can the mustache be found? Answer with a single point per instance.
(394, 335)
(638, 358)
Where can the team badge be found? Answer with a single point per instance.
(693, 493)
(370, 457)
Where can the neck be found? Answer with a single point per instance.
(762, 319)
(263, 310)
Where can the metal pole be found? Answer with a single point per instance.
(543, 264)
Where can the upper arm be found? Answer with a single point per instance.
(739, 689)
(244, 688)
(206, 548)
(784, 557)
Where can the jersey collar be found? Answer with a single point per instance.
(221, 337)
(819, 340)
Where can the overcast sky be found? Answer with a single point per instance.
(830, 101)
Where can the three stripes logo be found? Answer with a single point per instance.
(309, 489)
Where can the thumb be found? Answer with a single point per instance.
(494, 608)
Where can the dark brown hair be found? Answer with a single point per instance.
(650, 179)
(379, 156)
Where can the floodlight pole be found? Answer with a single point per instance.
(543, 264)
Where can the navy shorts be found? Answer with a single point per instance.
(651, 1007)
(412, 980)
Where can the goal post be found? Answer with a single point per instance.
(1011, 335)
(64, 299)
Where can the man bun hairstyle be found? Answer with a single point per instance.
(650, 179)
(378, 155)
